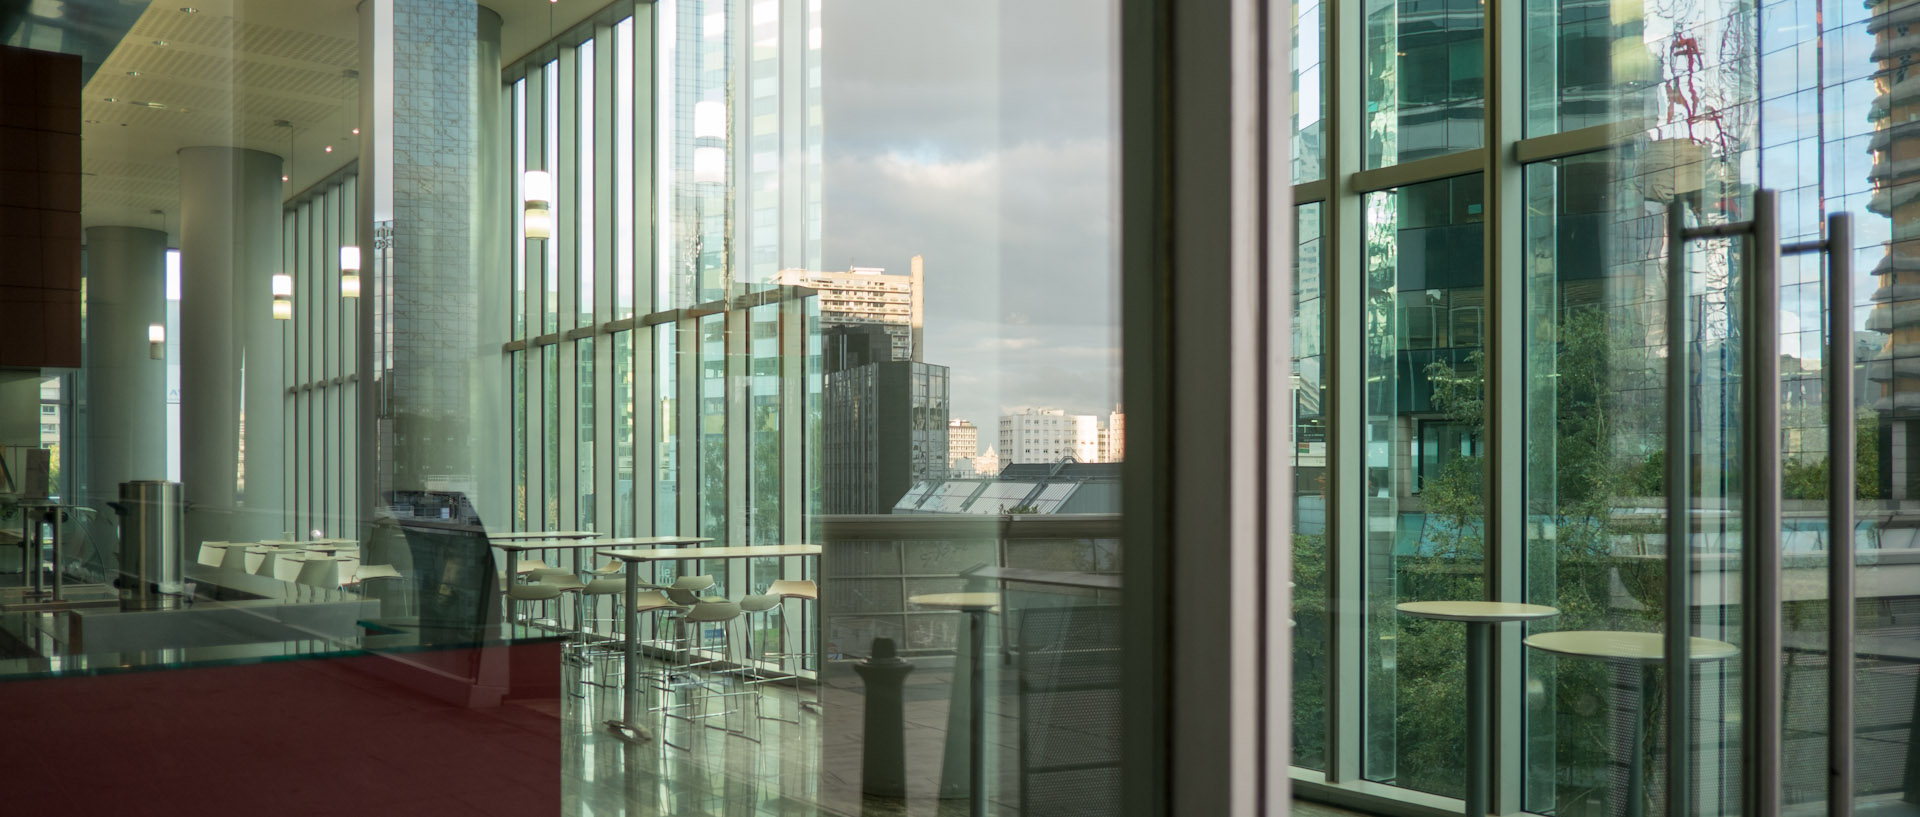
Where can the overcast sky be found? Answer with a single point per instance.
(982, 136)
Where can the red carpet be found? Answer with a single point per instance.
(287, 738)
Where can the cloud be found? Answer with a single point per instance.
(984, 139)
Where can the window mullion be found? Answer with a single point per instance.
(1505, 527)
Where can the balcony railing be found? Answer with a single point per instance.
(874, 563)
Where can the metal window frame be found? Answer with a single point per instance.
(1206, 216)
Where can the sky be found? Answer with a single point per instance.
(983, 136)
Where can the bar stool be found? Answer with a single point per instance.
(210, 553)
(323, 575)
(567, 581)
(804, 590)
(762, 604)
(529, 591)
(646, 601)
(704, 680)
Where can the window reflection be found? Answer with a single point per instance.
(1423, 501)
(1424, 79)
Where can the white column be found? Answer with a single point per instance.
(231, 348)
(126, 428)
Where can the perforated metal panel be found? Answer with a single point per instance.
(1070, 710)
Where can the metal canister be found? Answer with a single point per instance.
(152, 555)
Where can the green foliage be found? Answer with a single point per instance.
(1808, 480)
(1579, 477)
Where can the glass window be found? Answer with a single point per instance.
(1309, 102)
(586, 486)
(1593, 63)
(624, 425)
(584, 170)
(1310, 488)
(1424, 483)
(1424, 83)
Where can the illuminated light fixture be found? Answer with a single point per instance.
(356, 131)
(157, 341)
(709, 164)
(282, 296)
(189, 10)
(162, 43)
(538, 190)
(349, 271)
(329, 148)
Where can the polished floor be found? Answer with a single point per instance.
(790, 760)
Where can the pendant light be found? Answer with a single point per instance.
(536, 186)
(282, 297)
(350, 271)
(538, 190)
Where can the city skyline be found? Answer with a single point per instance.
(1007, 186)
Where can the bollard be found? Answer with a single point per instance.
(883, 768)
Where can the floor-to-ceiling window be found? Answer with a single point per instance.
(1489, 188)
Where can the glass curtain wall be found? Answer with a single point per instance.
(637, 299)
(1487, 215)
(321, 371)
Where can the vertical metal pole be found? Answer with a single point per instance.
(1840, 496)
(59, 541)
(1679, 525)
(1760, 508)
(1479, 633)
(977, 716)
(630, 672)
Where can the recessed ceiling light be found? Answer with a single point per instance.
(189, 10)
(148, 104)
(133, 73)
(283, 177)
(356, 131)
(111, 99)
(160, 42)
(329, 148)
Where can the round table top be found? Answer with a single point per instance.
(959, 601)
(1476, 610)
(1626, 646)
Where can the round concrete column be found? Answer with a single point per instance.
(126, 428)
(230, 223)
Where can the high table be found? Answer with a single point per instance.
(630, 679)
(1642, 650)
(1480, 617)
(976, 606)
(519, 543)
(540, 534)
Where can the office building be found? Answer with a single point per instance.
(963, 445)
(868, 296)
(1049, 435)
(884, 428)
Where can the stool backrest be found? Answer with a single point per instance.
(322, 573)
